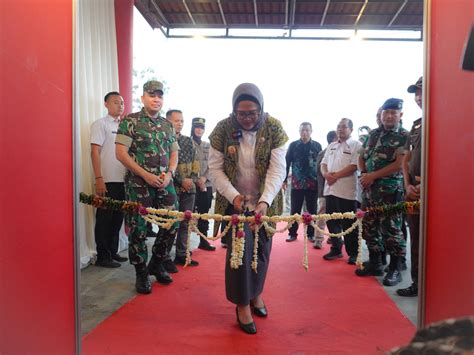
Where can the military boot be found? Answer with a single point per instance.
(374, 267)
(156, 268)
(384, 257)
(394, 276)
(142, 284)
(402, 264)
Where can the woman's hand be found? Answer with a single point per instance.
(261, 208)
(239, 203)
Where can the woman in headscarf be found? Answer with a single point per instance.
(247, 167)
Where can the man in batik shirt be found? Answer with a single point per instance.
(302, 157)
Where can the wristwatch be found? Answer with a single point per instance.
(173, 173)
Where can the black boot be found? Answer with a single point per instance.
(374, 267)
(411, 291)
(156, 268)
(384, 257)
(394, 276)
(204, 245)
(169, 266)
(403, 264)
(142, 284)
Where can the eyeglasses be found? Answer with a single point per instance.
(250, 114)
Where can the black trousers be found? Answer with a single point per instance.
(414, 224)
(202, 204)
(336, 204)
(108, 224)
(297, 199)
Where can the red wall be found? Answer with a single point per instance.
(450, 242)
(36, 190)
(124, 31)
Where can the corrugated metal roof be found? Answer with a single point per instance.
(283, 14)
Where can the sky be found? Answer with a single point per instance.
(301, 80)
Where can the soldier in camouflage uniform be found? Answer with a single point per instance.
(146, 145)
(380, 162)
(187, 174)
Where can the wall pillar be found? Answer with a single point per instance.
(449, 244)
(124, 31)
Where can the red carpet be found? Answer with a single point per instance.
(327, 310)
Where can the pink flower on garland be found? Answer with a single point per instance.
(360, 214)
(142, 211)
(240, 233)
(258, 218)
(235, 219)
(307, 218)
(188, 215)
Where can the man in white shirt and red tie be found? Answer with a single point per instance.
(339, 168)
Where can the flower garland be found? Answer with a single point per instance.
(167, 218)
(238, 242)
(257, 226)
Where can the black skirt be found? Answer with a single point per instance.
(243, 284)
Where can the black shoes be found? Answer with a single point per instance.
(169, 266)
(333, 254)
(403, 267)
(119, 258)
(373, 267)
(181, 260)
(249, 328)
(108, 264)
(352, 260)
(392, 278)
(206, 246)
(224, 245)
(291, 238)
(142, 283)
(411, 291)
(259, 312)
(160, 273)
(369, 270)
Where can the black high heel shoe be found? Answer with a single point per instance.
(259, 312)
(249, 328)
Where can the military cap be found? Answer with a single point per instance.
(152, 86)
(199, 122)
(393, 104)
(418, 85)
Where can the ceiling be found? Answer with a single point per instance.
(317, 19)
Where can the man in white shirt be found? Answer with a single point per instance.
(109, 174)
(339, 168)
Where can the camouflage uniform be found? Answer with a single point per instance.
(150, 142)
(188, 168)
(380, 149)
